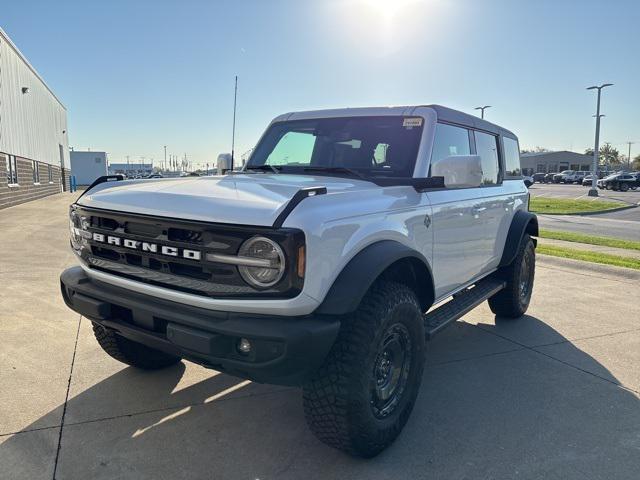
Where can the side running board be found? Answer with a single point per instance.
(463, 302)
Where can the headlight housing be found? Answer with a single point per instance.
(268, 263)
(78, 233)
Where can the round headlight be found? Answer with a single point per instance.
(269, 271)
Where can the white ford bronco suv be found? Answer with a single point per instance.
(348, 239)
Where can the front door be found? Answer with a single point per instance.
(459, 216)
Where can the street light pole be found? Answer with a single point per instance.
(629, 156)
(164, 164)
(482, 110)
(594, 181)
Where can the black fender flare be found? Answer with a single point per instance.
(522, 222)
(355, 279)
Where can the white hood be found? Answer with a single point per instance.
(243, 199)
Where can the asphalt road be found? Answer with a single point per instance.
(561, 190)
(621, 224)
(553, 395)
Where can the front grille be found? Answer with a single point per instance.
(201, 276)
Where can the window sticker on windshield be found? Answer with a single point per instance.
(412, 122)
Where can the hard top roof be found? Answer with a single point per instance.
(444, 114)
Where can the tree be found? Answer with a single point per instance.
(636, 163)
(608, 154)
(535, 150)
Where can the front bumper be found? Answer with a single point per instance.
(285, 350)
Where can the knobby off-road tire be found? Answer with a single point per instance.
(513, 300)
(130, 352)
(362, 396)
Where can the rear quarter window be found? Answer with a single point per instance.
(511, 158)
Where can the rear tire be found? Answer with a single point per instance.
(513, 300)
(130, 352)
(624, 187)
(362, 396)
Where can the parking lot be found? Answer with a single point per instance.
(623, 224)
(554, 395)
(575, 191)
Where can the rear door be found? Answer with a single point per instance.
(493, 202)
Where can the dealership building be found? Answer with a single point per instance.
(34, 152)
(553, 162)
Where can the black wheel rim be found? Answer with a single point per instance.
(390, 370)
(526, 276)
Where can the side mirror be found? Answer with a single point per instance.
(459, 171)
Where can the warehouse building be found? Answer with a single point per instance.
(33, 132)
(88, 166)
(551, 162)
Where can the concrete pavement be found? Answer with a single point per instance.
(553, 395)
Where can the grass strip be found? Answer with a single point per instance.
(590, 239)
(566, 205)
(586, 256)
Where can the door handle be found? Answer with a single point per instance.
(477, 210)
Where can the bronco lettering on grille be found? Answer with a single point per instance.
(147, 247)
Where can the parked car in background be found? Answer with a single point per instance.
(619, 181)
(528, 181)
(549, 177)
(539, 177)
(580, 176)
(587, 180)
(566, 176)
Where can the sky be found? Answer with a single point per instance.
(138, 75)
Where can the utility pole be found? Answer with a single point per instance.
(482, 109)
(629, 157)
(593, 192)
(164, 164)
(233, 131)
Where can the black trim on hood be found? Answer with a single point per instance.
(295, 200)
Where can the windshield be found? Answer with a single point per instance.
(567, 172)
(365, 146)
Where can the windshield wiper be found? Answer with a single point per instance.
(263, 168)
(338, 170)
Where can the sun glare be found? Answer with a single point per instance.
(388, 9)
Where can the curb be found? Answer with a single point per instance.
(585, 214)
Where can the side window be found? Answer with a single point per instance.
(36, 172)
(487, 149)
(294, 148)
(12, 170)
(512, 158)
(450, 141)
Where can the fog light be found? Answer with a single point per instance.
(244, 346)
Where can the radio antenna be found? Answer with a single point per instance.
(233, 131)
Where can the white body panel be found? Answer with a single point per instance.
(463, 241)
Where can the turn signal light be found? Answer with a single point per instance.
(301, 262)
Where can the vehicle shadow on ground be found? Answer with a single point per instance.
(508, 411)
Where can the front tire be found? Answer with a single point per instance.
(362, 396)
(513, 301)
(130, 352)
